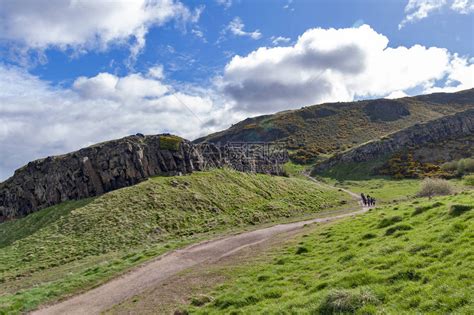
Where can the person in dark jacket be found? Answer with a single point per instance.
(364, 199)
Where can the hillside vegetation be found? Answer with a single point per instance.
(315, 131)
(411, 258)
(76, 245)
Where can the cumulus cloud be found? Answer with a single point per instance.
(336, 65)
(420, 9)
(85, 25)
(236, 27)
(38, 119)
(279, 40)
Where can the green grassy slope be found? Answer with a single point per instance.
(327, 128)
(412, 258)
(76, 245)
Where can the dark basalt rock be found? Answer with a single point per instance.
(107, 166)
(386, 110)
(457, 125)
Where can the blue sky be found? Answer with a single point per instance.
(73, 73)
(444, 28)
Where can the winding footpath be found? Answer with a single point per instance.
(152, 273)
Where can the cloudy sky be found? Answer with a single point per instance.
(75, 72)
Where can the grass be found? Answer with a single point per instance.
(74, 246)
(371, 264)
(170, 142)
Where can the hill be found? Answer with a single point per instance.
(320, 130)
(78, 244)
(416, 151)
(111, 165)
(411, 258)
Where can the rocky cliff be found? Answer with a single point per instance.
(107, 166)
(457, 125)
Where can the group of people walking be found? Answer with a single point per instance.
(368, 201)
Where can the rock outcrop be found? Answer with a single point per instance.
(107, 166)
(460, 124)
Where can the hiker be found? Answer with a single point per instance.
(368, 200)
(373, 201)
(364, 199)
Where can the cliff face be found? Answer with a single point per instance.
(460, 124)
(95, 170)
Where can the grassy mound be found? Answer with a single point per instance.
(75, 245)
(388, 261)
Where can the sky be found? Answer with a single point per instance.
(77, 72)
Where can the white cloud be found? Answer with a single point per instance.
(225, 3)
(156, 72)
(37, 119)
(420, 9)
(84, 25)
(236, 27)
(336, 65)
(279, 40)
(288, 4)
(463, 6)
(396, 94)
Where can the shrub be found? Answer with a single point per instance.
(456, 210)
(468, 180)
(389, 221)
(401, 227)
(460, 167)
(449, 166)
(301, 250)
(346, 301)
(422, 209)
(434, 187)
(465, 166)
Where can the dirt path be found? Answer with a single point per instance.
(158, 270)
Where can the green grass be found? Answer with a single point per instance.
(17, 229)
(295, 170)
(383, 189)
(75, 246)
(392, 260)
(170, 142)
(357, 178)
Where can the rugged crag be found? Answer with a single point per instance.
(107, 166)
(457, 125)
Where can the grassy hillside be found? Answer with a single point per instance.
(413, 258)
(327, 128)
(76, 245)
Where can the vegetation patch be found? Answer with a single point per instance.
(457, 209)
(389, 221)
(421, 209)
(415, 273)
(170, 142)
(75, 246)
(400, 227)
(347, 301)
(468, 180)
(431, 187)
